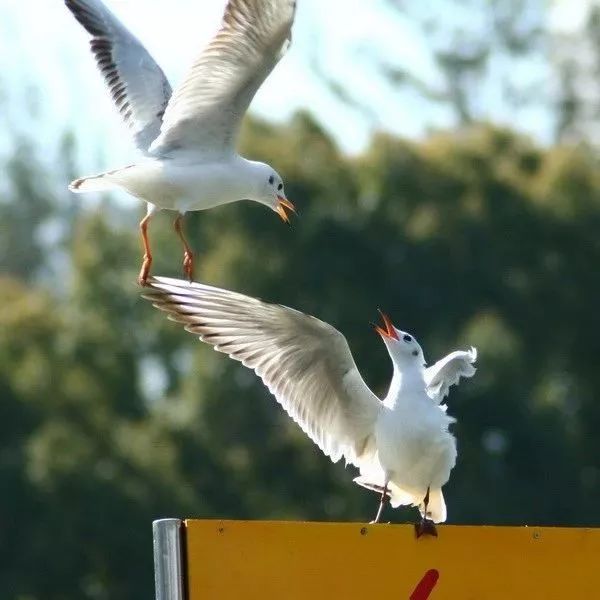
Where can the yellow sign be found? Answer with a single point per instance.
(331, 561)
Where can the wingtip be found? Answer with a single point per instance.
(149, 296)
(164, 285)
(75, 185)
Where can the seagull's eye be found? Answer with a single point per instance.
(271, 180)
(280, 186)
(407, 338)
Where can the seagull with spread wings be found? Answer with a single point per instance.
(188, 138)
(401, 445)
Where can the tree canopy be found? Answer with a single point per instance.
(110, 416)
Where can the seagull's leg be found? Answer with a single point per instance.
(188, 255)
(425, 526)
(147, 261)
(382, 503)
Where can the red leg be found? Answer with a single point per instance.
(188, 255)
(147, 262)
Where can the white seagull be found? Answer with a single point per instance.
(189, 138)
(401, 445)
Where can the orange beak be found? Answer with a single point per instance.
(389, 331)
(282, 205)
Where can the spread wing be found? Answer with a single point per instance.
(206, 110)
(137, 84)
(448, 371)
(306, 363)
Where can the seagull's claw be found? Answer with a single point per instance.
(145, 270)
(425, 527)
(188, 265)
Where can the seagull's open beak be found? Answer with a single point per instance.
(389, 331)
(282, 205)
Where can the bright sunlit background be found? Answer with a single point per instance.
(45, 63)
(444, 159)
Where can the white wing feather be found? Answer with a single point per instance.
(137, 84)
(206, 110)
(306, 363)
(448, 371)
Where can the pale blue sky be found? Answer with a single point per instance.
(41, 45)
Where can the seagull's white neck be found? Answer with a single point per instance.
(255, 175)
(252, 175)
(406, 378)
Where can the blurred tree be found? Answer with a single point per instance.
(111, 416)
(577, 60)
(26, 205)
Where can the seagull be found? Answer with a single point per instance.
(188, 138)
(401, 445)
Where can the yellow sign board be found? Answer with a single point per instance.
(327, 561)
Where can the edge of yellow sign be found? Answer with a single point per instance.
(265, 559)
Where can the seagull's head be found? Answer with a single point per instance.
(402, 346)
(272, 194)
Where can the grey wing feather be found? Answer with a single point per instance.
(447, 372)
(137, 84)
(206, 110)
(306, 363)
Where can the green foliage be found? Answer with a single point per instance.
(111, 416)
(25, 203)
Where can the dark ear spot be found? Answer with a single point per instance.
(415, 353)
(271, 180)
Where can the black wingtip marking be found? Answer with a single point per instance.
(86, 18)
(75, 185)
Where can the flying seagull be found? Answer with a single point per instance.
(401, 445)
(188, 138)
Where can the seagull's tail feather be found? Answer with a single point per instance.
(436, 509)
(98, 183)
(374, 480)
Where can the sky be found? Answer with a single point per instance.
(46, 67)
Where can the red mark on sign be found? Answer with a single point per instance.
(426, 585)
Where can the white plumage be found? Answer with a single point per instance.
(446, 372)
(189, 138)
(401, 444)
(207, 108)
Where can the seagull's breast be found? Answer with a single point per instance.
(414, 444)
